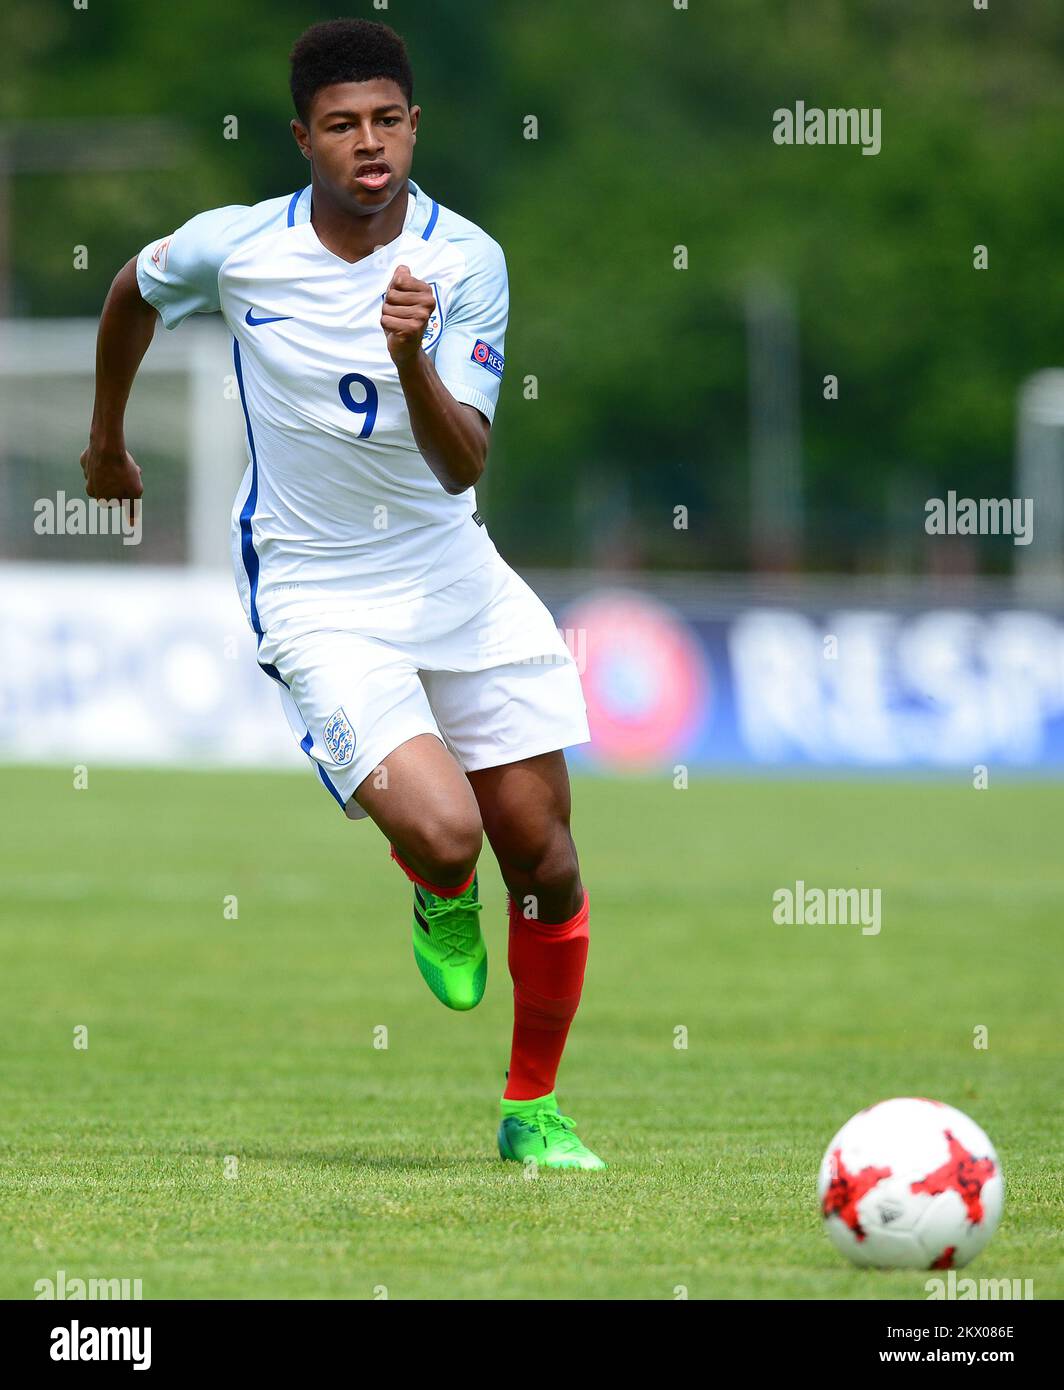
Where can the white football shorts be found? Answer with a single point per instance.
(479, 664)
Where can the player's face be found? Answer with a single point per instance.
(360, 139)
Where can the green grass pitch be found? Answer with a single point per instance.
(362, 1169)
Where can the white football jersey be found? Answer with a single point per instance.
(338, 511)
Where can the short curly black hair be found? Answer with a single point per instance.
(347, 50)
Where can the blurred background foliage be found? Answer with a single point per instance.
(654, 131)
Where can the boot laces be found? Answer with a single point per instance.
(454, 928)
(556, 1129)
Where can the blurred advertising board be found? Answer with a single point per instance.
(158, 667)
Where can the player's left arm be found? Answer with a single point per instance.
(452, 436)
(451, 401)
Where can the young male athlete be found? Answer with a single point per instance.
(423, 678)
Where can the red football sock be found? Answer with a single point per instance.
(439, 892)
(547, 963)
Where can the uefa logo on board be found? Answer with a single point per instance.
(646, 681)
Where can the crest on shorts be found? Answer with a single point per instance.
(434, 327)
(339, 738)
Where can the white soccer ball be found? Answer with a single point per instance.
(910, 1184)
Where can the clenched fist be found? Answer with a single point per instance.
(111, 474)
(408, 305)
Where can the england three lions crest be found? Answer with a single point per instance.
(434, 327)
(339, 738)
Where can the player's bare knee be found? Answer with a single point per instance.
(449, 847)
(531, 850)
(559, 871)
(549, 874)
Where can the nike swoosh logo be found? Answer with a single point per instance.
(254, 322)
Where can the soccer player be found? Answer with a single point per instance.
(423, 678)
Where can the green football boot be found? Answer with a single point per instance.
(537, 1130)
(449, 947)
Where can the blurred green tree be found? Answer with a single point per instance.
(654, 132)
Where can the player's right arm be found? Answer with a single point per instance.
(170, 279)
(127, 325)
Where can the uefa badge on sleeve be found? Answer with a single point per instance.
(339, 738)
(487, 357)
